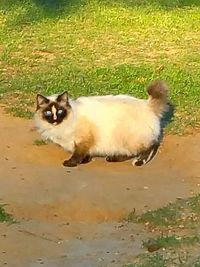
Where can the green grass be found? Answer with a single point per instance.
(169, 241)
(197, 262)
(4, 216)
(39, 142)
(93, 47)
(182, 213)
(20, 112)
(173, 234)
(155, 260)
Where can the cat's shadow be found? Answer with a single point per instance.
(166, 119)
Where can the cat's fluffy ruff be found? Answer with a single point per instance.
(109, 125)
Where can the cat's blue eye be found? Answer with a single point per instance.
(48, 113)
(60, 112)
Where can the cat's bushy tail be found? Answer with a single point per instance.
(158, 96)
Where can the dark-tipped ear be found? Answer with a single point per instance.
(42, 101)
(63, 98)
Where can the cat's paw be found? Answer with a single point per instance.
(138, 162)
(69, 163)
(110, 159)
(87, 159)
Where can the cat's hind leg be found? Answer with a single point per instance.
(146, 155)
(118, 158)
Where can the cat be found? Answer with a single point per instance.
(119, 127)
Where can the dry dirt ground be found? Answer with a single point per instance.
(72, 217)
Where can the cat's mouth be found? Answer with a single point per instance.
(55, 123)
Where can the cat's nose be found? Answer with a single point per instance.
(54, 117)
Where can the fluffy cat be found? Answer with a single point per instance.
(117, 127)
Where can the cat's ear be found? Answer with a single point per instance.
(63, 98)
(42, 101)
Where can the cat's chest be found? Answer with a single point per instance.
(61, 137)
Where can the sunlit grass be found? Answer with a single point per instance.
(4, 216)
(102, 47)
(174, 234)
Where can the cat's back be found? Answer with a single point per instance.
(111, 109)
(108, 102)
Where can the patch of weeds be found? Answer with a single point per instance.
(154, 260)
(197, 262)
(174, 237)
(182, 213)
(20, 112)
(132, 217)
(154, 244)
(163, 216)
(4, 216)
(18, 103)
(39, 142)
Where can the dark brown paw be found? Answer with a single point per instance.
(110, 159)
(69, 163)
(86, 160)
(139, 163)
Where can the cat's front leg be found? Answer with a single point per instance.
(79, 156)
(87, 159)
(72, 162)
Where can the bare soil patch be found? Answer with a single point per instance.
(72, 217)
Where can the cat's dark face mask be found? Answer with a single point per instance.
(54, 112)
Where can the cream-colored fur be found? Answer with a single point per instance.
(118, 125)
